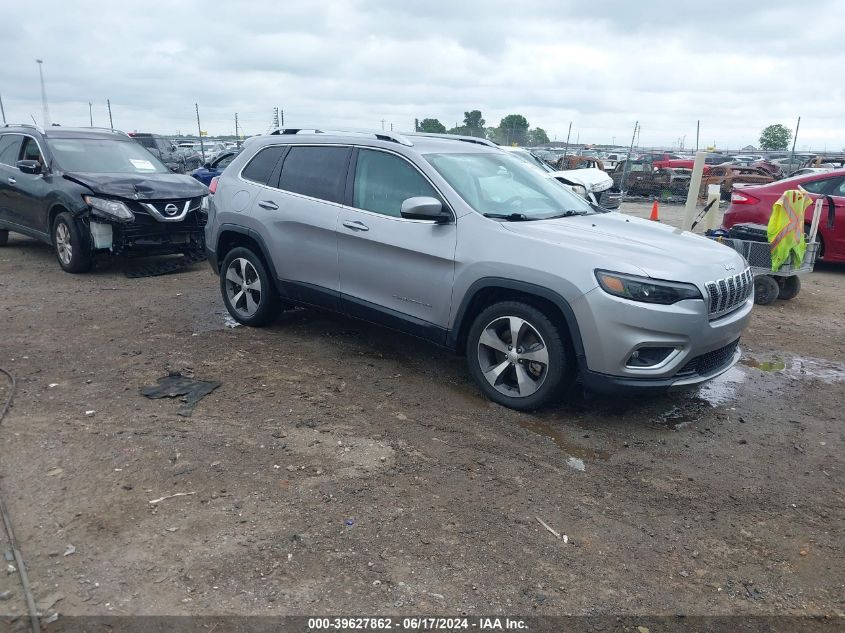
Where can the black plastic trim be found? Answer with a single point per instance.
(528, 288)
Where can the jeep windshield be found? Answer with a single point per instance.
(104, 156)
(504, 187)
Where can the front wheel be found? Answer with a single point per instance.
(518, 356)
(247, 289)
(72, 244)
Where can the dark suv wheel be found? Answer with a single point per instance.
(518, 356)
(72, 244)
(247, 288)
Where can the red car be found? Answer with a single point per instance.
(753, 203)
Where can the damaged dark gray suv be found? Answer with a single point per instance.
(91, 190)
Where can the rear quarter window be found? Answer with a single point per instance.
(262, 164)
(820, 186)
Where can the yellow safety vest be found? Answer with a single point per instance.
(786, 228)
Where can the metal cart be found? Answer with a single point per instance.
(769, 285)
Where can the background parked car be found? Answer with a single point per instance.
(643, 180)
(176, 159)
(214, 167)
(754, 204)
(726, 176)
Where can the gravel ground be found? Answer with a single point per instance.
(342, 468)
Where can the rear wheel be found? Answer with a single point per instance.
(766, 290)
(518, 356)
(72, 244)
(247, 288)
(789, 287)
(4, 237)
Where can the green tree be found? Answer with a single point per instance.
(474, 123)
(514, 129)
(433, 126)
(775, 136)
(538, 136)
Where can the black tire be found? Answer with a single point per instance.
(4, 237)
(766, 290)
(239, 298)
(79, 258)
(556, 377)
(789, 287)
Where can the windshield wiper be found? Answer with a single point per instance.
(510, 217)
(565, 214)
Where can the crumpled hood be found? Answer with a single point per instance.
(141, 186)
(591, 179)
(659, 251)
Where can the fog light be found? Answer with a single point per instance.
(649, 356)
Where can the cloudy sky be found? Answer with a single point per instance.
(601, 64)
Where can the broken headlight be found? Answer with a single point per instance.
(646, 289)
(111, 209)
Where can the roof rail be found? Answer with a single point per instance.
(381, 135)
(29, 125)
(456, 137)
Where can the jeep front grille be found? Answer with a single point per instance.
(727, 294)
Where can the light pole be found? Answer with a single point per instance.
(46, 111)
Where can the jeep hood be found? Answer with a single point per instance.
(657, 250)
(140, 186)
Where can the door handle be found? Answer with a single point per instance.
(12, 181)
(355, 225)
(268, 204)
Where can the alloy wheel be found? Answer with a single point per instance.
(243, 287)
(513, 356)
(64, 248)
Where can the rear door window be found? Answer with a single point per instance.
(9, 146)
(820, 186)
(384, 181)
(318, 172)
(262, 164)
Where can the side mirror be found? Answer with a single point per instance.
(424, 208)
(29, 167)
(581, 190)
(207, 165)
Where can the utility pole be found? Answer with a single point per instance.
(624, 183)
(199, 129)
(2, 111)
(382, 124)
(282, 117)
(90, 114)
(44, 107)
(237, 135)
(111, 123)
(794, 141)
(566, 148)
(697, 130)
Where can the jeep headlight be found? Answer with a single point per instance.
(645, 289)
(112, 209)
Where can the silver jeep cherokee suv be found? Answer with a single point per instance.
(470, 247)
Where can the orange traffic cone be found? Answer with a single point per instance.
(654, 212)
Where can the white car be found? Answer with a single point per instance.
(590, 183)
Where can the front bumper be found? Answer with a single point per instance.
(147, 236)
(612, 329)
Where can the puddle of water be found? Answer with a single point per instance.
(722, 389)
(576, 454)
(826, 371)
(776, 364)
(801, 368)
